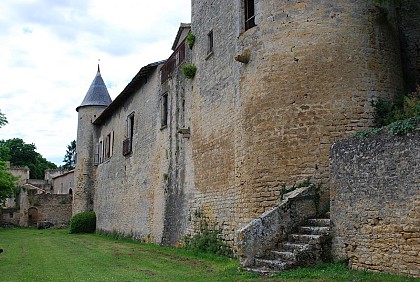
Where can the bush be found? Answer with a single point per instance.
(207, 240)
(189, 70)
(190, 39)
(403, 107)
(84, 222)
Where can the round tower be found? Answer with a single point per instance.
(277, 84)
(96, 100)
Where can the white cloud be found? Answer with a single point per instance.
(49, 51)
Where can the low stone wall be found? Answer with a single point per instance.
(267, 231)
(375, 203)
(56, 209)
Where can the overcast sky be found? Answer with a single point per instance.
(49, 50)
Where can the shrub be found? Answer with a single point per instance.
(402, 127)
(84, 222)
(189, 70)
(190, 39)
(208, 241)
(403, 107)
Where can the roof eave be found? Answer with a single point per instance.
(129, 90)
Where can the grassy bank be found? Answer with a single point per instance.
(55, 255)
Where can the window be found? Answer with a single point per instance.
(249, 9)
(164, 110)
(100, 151)
(108, 146)
(210, 42)
(128, 142)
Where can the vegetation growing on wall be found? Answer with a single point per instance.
(84, 222)
(398, 116)
(189, 70)
(208, 239)
(284, 190)
(402, 107)
(190, 39)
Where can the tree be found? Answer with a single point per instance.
(3, 120)
(70, 157)
(8, 183)
(21, 154)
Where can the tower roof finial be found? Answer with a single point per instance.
(98, 65)
(97, 94)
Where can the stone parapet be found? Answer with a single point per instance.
(375, 203)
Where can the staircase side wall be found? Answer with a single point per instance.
(375, 203)
(264, 233)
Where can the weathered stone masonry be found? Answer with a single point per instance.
(375, 203)
(314, 70)
(238, 131)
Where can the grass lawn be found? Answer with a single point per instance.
(56, 255)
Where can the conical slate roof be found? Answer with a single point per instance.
(97, 94)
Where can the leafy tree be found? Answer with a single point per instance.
(69, 158)
(21, 154)
(8, 183)
(3, 120)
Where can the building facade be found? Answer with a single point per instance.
(276, 83)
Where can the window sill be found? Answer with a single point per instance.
(163, 127)
(104, 161)
(209, 55)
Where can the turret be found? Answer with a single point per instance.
(96, 100)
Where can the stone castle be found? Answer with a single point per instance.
(276, 83)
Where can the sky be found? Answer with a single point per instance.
(49, 52)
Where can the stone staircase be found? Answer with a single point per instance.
(307, 246)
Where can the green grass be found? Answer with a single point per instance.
(56, 255)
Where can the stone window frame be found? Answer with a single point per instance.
(100, 151)
(128, 141)
(108, 145)
(210, 44)
(248, 14)
(164, 110)
(242, 14)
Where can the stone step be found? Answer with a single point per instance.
(284, 255)
(295, 247)
(305, 238)
(261, 270)
(273, 264)
(315, 230)
(319, 222)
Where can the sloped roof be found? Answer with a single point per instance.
(178, 38)
(129, 90)
(97, 94)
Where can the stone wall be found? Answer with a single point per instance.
(33, 208)
(179, 186)
(21, 172)
(409, 17)
(56, 209)
(375, 203)
(315, 68)
(84, 173)
(130, 189)
(63, 183)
